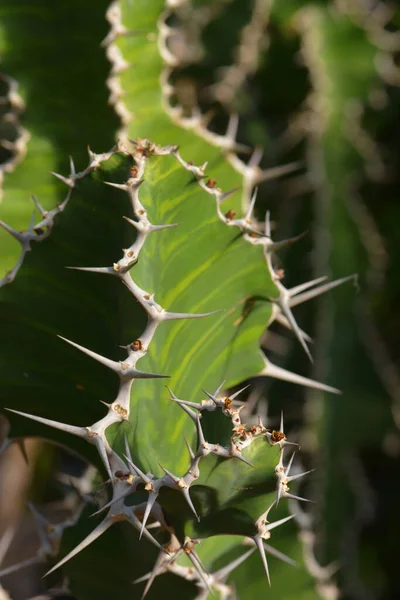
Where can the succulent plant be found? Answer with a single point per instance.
(185, 463)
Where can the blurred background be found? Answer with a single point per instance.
(317, 86)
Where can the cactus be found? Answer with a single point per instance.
(186, 466)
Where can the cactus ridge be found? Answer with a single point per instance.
(126, 477)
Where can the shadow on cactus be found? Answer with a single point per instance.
(182, 465)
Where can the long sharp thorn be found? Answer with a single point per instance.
(280, 317)
(32, 222)
(281, 423)
(268, 224)
(166, 226)
(236, 394)
(299, 475)
(72, 166)
(150, 502)
(135, 224)
(280, 555)
(39, 206)
(186, 493)
(221, 574)
(305, 286)
(96, 533)
(21, 565)
(170, 316)
(65, 180)
(256, 157)
(271, 370)
(6, 540)
(142, 578)
(105, 270)
(225, 195)
(212, 397)
(79, 431)
(296, 330)
(184, 404)
(290, 464)
(199, 430)
(278, 523)
(276, 246)
(150, 582)
(299, 498)
(137, 524)
(196, 562)
(251, 205)
(150, 577)
(119, 186)
(188, 446)
(174, 478)
(127, 448)
(243, 459)
(101, 449)
(276, 172)
(18, 236)
(232, 128)
(300, 298)
(111, 364)
(260, 547)
(219, 388)
(138, 472)
(112, 502)
(279, 494)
